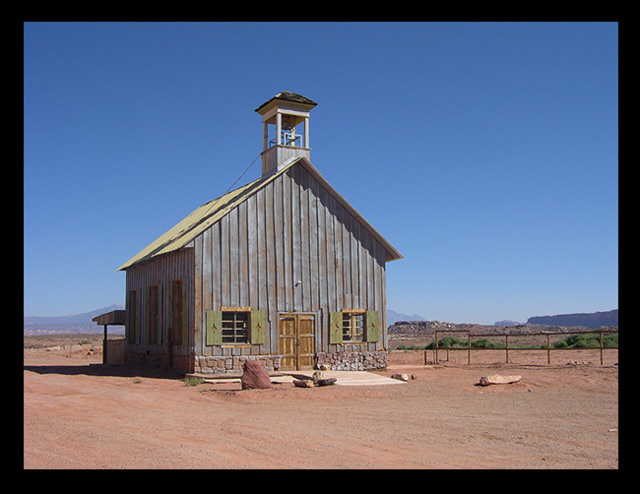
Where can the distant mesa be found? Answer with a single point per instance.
(563, 322)
(394, 317)
(590, 320)
(507, 322)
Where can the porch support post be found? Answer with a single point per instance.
(104, 346)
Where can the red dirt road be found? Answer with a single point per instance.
(81, 415)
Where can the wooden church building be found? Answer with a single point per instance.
(282, 270)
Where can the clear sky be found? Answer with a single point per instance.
(486, 153)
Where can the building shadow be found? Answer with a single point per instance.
(106, 371)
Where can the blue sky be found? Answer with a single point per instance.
(486, 153)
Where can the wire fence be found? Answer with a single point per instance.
(599, 340)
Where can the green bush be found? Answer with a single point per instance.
(411, 347)
(610, 340)
(485, 343)
(453, 342)
(193, 381)
(587, 340)
(448, 342)
(590, 340)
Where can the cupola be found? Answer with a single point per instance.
(281, 142)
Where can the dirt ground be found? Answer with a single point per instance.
(79, 414)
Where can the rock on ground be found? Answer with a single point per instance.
(254, 376)
(498, 379)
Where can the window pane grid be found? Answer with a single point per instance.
(352, 326)
(235, 327)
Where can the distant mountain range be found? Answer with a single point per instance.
(507, 322)
(77, 323)
(82, 323)
(590, 320)
(394, 317)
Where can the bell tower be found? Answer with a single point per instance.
(280, 140)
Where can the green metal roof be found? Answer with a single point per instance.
(211, 212)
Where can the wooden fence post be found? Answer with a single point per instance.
(507, 348)
(548, 351)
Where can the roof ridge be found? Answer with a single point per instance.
(212, 211)
(162, 243)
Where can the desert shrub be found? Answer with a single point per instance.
(486, 343)
(193, 381)
(583, 341)
(610, 340)
(453, 342)
(448, 342)
(410, 347)
(590, 340)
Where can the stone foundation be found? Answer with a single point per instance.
(234, 363)
(351, 360)
(225, 364)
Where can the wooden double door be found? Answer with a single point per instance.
(297, 341)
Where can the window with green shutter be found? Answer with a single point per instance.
(239, 326)
(354, 326)
(258, 327)
(372, 324)
(214, 327)
(335, 328)
(235, 326)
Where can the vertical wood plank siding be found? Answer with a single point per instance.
(162, 270)
(293, 230)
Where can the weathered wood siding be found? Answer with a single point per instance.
(293, 230)
(162, 270)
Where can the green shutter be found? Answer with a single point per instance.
(373, 326)
(214, 327)
(258, 328)
(335, 327)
